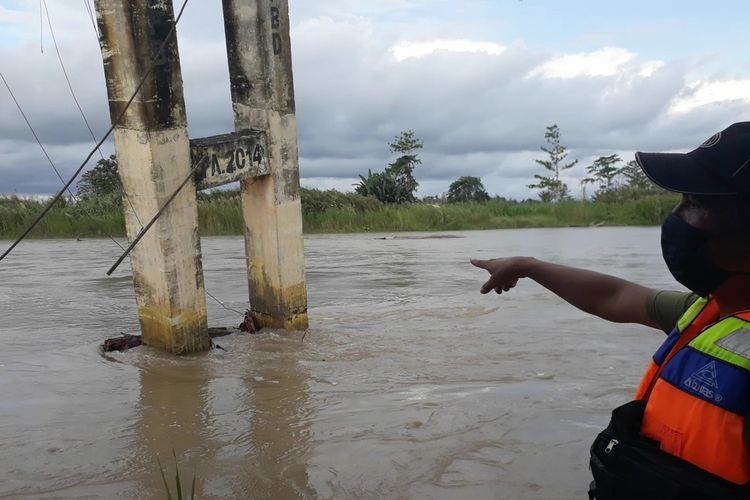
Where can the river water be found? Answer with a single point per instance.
(408, 384)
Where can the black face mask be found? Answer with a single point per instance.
(685, 252)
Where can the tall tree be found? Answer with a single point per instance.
(467, 188)
(604, 171)
(551, 187)
(636, 178)
(407, 145)
(100, 181)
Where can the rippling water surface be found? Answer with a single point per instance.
(409, 383)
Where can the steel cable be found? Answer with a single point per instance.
(97, 147)
(80, 109)
(115, 122)
(44, 150)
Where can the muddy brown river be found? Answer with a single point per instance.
(408, 384)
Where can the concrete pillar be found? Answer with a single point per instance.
(153, 154)
(260, 72)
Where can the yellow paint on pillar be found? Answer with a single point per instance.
(175, 334)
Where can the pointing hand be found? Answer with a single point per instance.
(504, 273)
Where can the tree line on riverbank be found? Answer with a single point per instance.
(382, 201)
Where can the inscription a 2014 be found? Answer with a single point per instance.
(231, 157)
(228, 162)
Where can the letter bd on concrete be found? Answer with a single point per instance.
(155, 155)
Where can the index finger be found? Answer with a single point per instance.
(482, 264)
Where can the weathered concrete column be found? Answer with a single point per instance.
(260, 72)
(153, 155)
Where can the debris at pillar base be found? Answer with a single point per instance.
(248, 323)
(126, 341)
(122, 343)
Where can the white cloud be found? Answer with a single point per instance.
(408, 50)
(649, 68)
(608, 61)
(702, 93)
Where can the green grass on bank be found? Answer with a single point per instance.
(490, 215)
(63, 221)
(331, 212)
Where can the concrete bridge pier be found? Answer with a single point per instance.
(153, 154)
(260, 72)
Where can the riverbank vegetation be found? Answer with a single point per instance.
(383, 201)
(334, 212)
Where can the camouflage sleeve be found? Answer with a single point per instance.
(666, 307)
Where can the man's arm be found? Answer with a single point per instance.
(608, 297)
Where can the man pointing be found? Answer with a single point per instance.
(686, 435)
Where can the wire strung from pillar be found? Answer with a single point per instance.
(42, 9)
(33, 132)
(222, 304)
(90, 11)
(80, 109)
(156, 217)
(44, 150)
(41, 28)
(67, 78)
(158, 214)
(115, 122)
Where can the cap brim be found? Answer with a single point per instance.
(680, 173)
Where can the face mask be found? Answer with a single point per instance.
(685, 252)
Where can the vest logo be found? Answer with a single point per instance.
(704, 382)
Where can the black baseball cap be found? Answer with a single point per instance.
(718, 167)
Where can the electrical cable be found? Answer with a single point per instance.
(87, 5)
(44, 150)
(67, 78)
(143, 231)
(224, 305)
(41, 28)
(90, 11)
(18, 105)
(80, 109)
(101, 141)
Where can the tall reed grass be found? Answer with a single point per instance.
(331, 212)
(491, 215)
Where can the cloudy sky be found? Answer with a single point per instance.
(478, 81)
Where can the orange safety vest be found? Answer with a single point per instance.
(697, 389)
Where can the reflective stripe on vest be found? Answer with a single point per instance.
(698, 316)
(697, 405)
